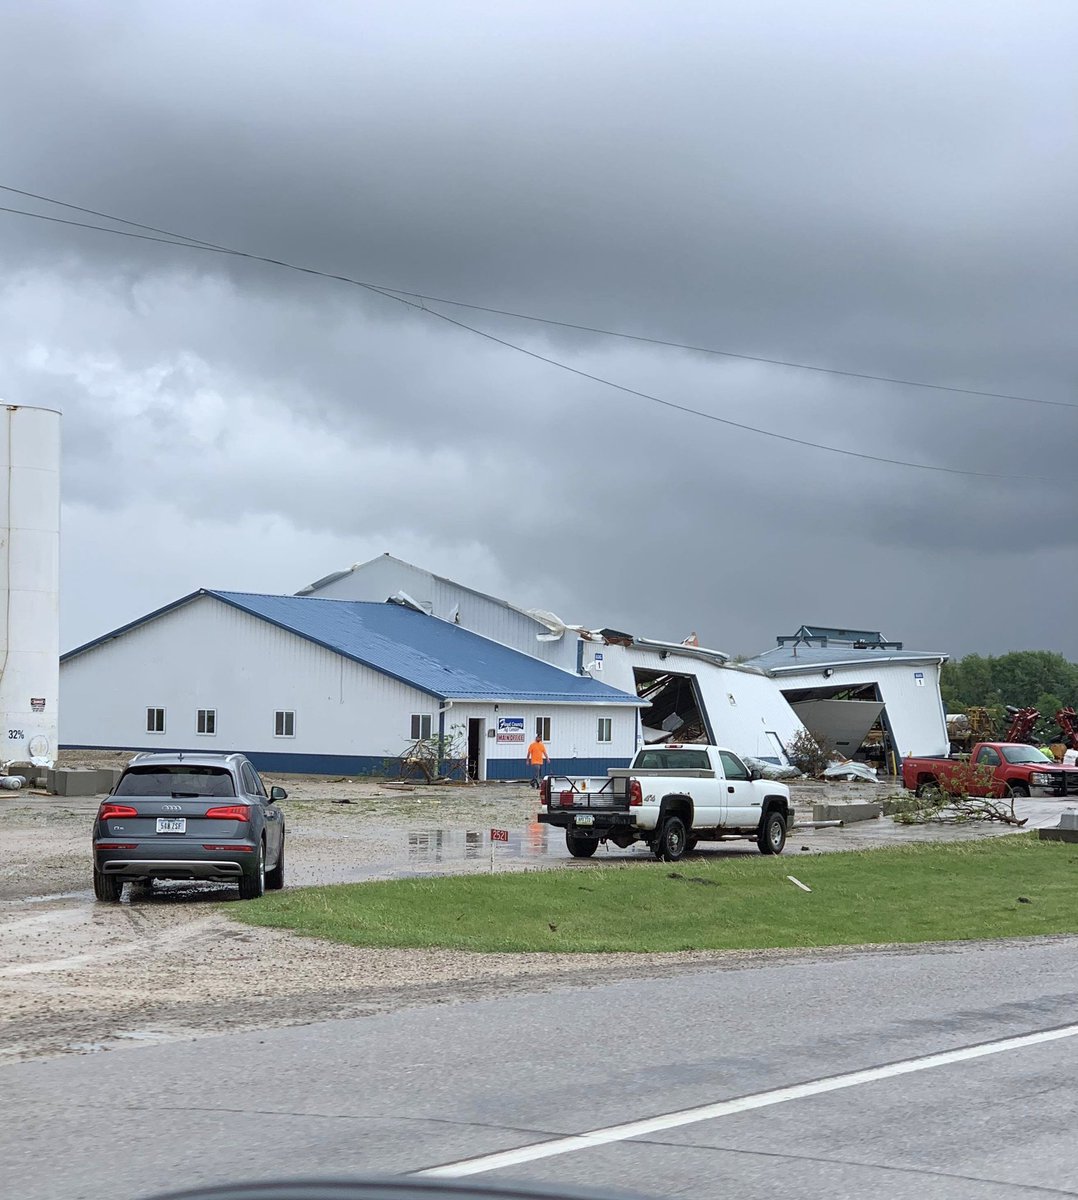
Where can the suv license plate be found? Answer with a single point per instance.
(171, 824)
(584, 819)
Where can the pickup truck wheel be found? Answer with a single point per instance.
(772, 835)
(691, 843)
(927, 788)
(1017, 791)
(580, 845)
(671, 843)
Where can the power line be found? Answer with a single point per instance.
(183, 239)
(419, 304)
(756, 358)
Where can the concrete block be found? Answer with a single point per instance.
(1068, 818)
(1058, 835)
(108, 778)
(845, 812)
(64, 782)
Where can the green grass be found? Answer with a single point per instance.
(937, 892)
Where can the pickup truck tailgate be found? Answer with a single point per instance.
(575, 793)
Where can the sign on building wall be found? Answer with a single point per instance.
(511, 729)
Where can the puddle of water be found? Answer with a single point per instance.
(463, 845)
(85, 895)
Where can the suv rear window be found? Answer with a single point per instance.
(175, 781)
(673, 760)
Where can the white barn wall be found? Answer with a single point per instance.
(491, 618)
(208, 654)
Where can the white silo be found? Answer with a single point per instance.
(29, 583)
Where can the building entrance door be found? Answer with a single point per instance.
(476, 730)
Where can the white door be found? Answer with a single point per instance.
(742, 800)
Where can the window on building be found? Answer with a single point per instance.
(284, 723)
(206, 722)
(606, 729)
(155, 720)
(420, 727)
(542, 728)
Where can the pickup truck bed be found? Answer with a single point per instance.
(712, 797)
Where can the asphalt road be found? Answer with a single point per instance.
(411, 1090)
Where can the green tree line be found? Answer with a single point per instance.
(1024, 678)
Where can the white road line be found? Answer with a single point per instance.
(727, 1108)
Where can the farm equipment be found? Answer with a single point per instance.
(1067, 720)
(1022, 723)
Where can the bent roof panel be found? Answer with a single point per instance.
(789, 659)
(431, 655)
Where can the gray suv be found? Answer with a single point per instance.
(190, 816)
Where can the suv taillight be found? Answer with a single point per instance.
(230, 812)
(636, 795)
(116, 810)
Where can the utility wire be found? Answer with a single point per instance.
(419, 303)
(183, 239)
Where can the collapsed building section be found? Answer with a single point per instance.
(869, 698)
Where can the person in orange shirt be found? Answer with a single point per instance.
(537, 756)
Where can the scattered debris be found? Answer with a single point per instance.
(850, 770)
(693, 879)
(1024, 900)
(770, 770)
(797, 883)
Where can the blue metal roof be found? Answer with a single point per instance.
(431, 655)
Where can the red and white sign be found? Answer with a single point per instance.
(499, 835)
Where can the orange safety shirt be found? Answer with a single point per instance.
(536, 753)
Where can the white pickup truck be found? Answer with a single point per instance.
(672, 796)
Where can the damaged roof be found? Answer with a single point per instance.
(794, 657)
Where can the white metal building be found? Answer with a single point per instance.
(304, 684)
(842, 683)
(385, 577)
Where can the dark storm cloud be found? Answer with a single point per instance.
(885, 189)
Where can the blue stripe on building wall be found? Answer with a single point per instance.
(503, 769)
(517, 768)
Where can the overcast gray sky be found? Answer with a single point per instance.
(887, 188)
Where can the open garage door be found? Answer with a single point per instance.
(853, 719)
(843, 723)
(677, 710)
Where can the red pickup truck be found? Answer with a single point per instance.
(992, 769)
